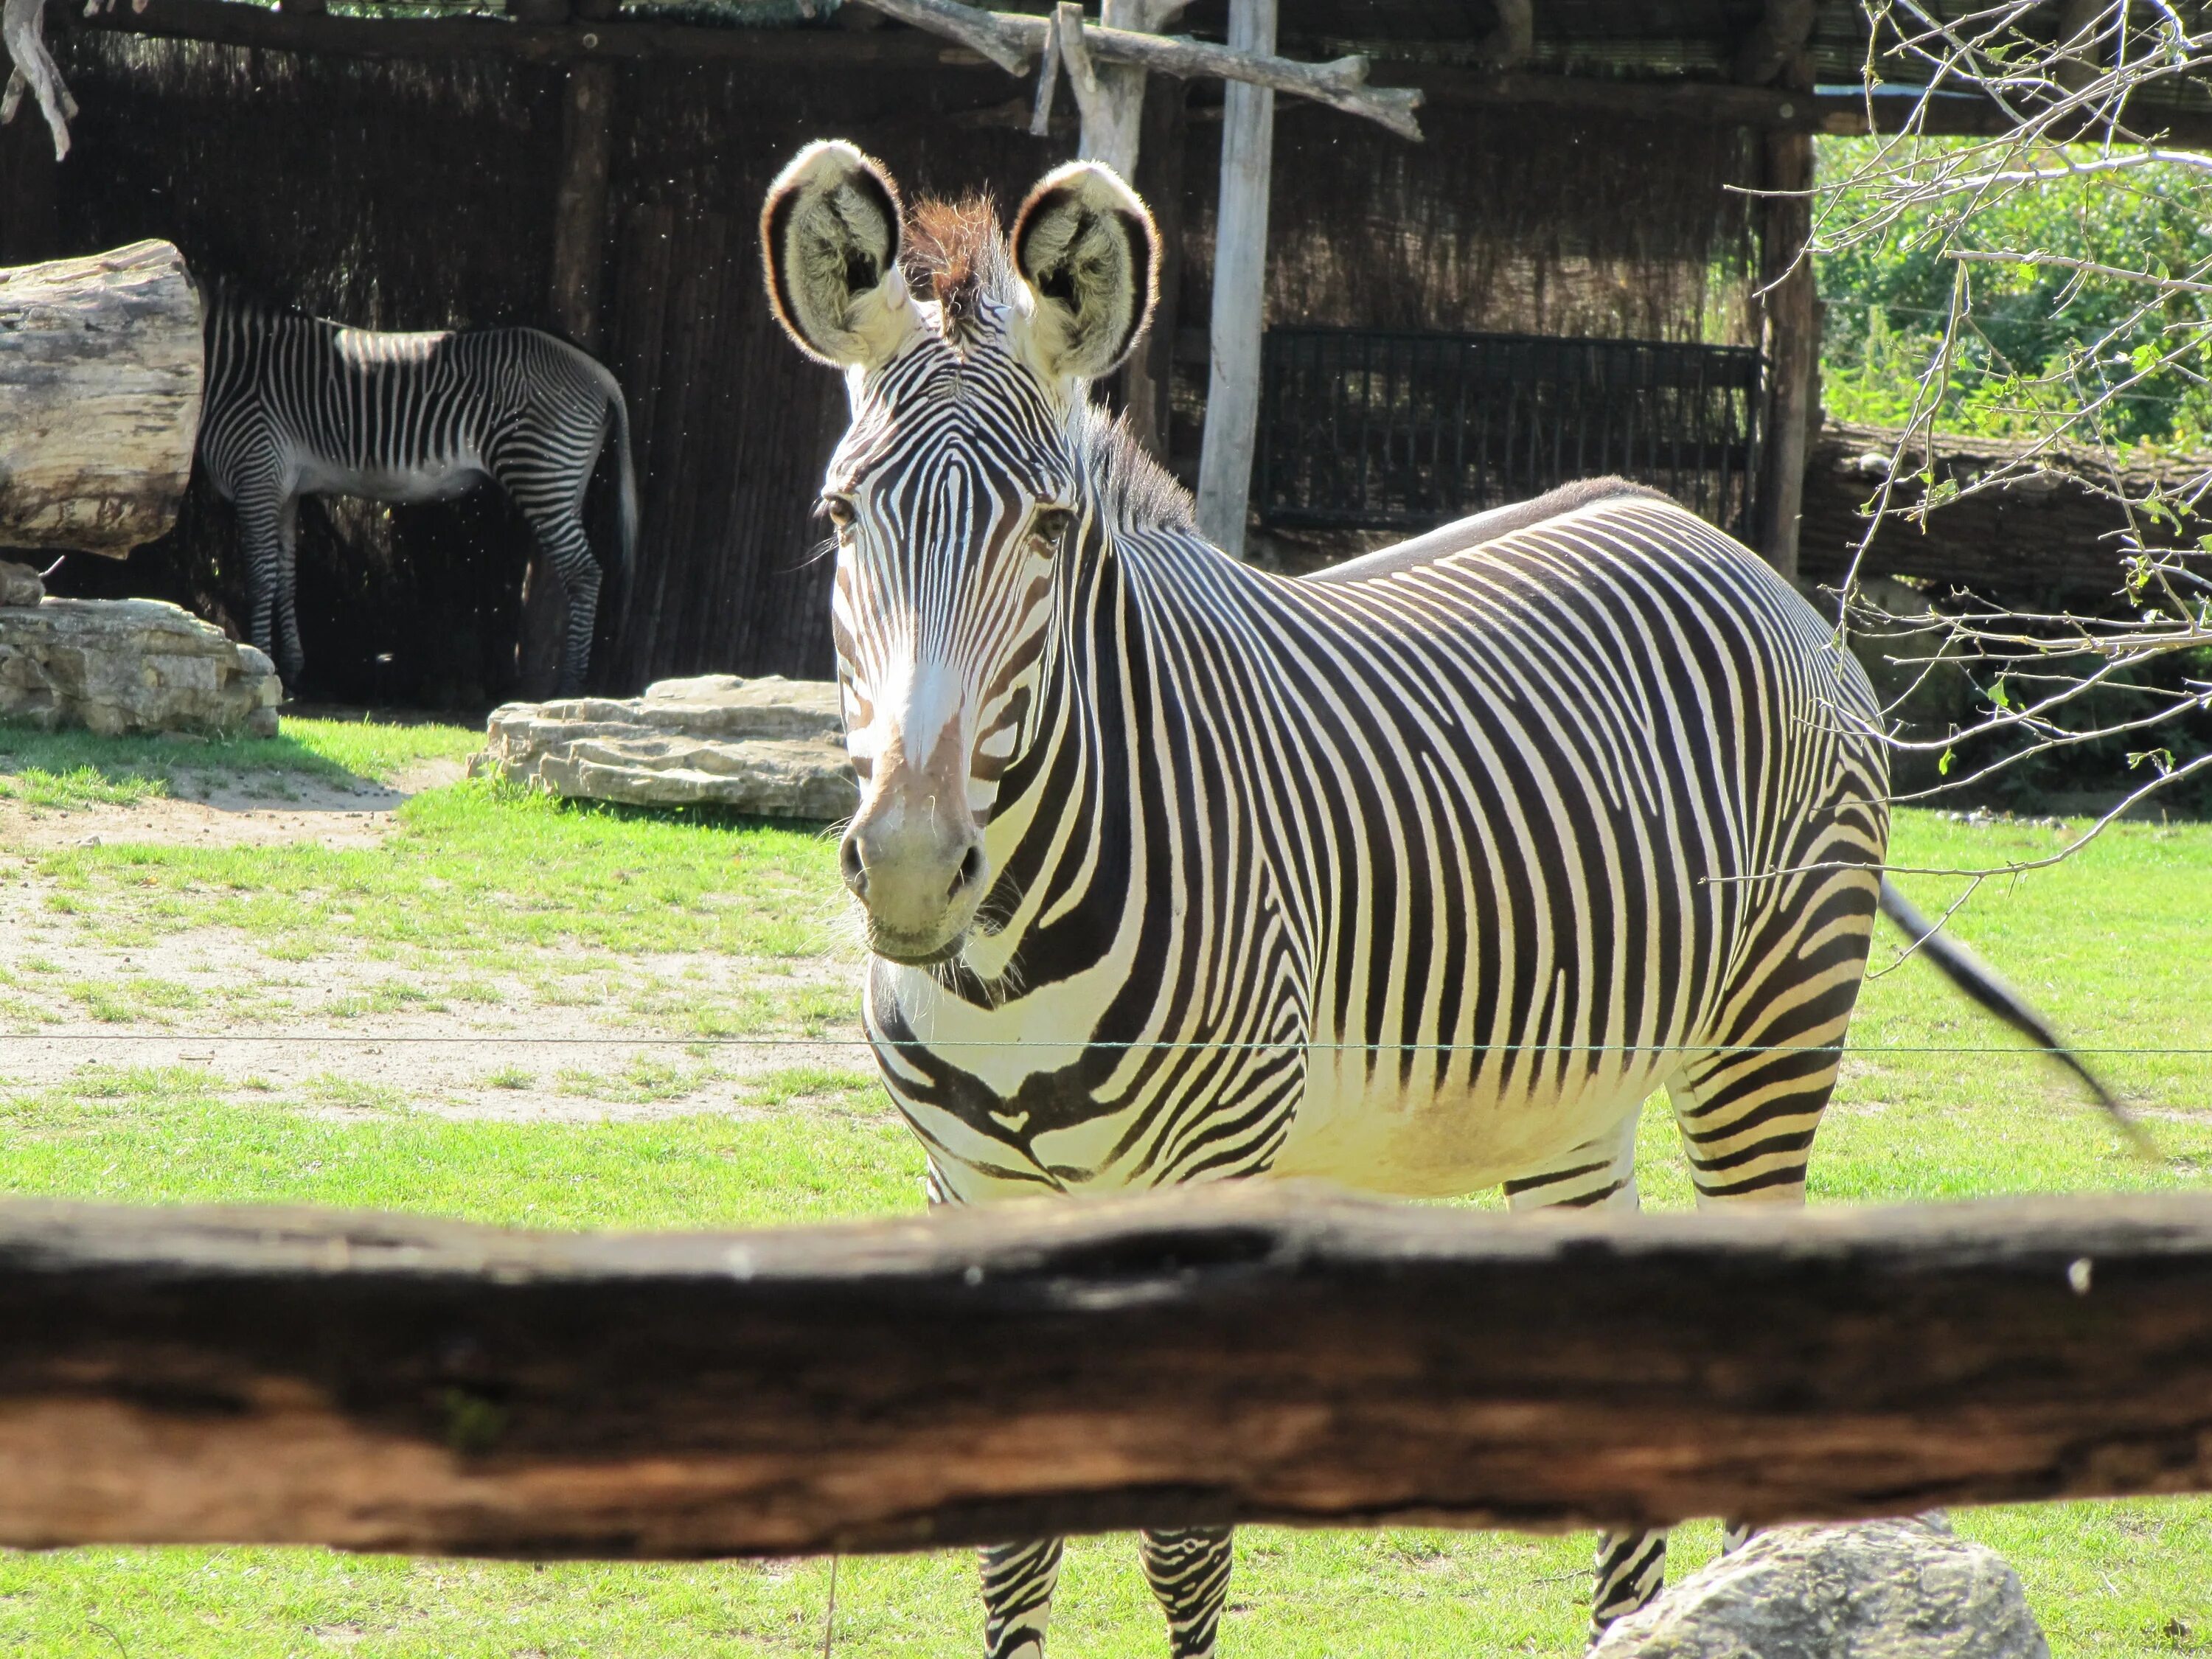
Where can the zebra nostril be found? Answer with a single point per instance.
(971, 871)
(854, 871)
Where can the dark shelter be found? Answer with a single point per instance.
(1434, 309)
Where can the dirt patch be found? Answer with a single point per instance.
(572, 1037)
(226, 809)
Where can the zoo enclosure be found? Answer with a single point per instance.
(1248, 1353)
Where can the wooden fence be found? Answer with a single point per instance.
(1279, 1354)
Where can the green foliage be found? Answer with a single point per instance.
(2039, 343)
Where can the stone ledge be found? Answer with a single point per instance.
(116, 666)
(771, 747)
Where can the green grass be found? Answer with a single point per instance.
(488, 873)
(2110, 946)
(64, 770)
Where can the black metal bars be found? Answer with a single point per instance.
(1378, 430)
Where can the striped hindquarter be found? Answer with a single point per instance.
(298, 406)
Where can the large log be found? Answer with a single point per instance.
(100, 400)
(2043, 538)
(1255, 1354)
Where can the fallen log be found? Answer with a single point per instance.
(100, 400)
(1279, 1354)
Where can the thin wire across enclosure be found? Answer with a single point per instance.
(496, 1040)
(1384, 430)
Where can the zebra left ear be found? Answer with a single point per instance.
(1086, 247)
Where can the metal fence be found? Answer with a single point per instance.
(1371, 430)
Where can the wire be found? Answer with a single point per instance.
(482, 1039)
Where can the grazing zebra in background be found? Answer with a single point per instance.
(1420, 875)
(295, 405)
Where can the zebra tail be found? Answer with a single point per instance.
(626, 497)
(1984, 986)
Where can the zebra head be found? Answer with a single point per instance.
(956, 494)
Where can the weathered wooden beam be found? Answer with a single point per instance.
(99, 398)
(1239, 316)
(380, 1382)
(1790, 335)
(1341, 84)
(228, 23)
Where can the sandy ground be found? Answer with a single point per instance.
(217, 811)
(294, 1027)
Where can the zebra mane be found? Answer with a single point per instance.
(1131, 489)
(957, 252)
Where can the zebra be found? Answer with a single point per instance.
(1420, 874)
(298, 406)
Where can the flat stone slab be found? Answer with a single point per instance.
(769, 746)
(1881, 1589)
(131, 666)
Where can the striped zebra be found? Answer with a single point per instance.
(1419, 875)
(295, 405)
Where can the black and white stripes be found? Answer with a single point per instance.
(295, 405)
(1421, 877)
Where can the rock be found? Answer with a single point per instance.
(1882, 1590)
(19, 585)
(118, 666)
(770, 746)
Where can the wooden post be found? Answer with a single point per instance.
(1147, 379)
(580, 258)
(1791, 335)
(579, 211)
(100, 400)
(1240, 289)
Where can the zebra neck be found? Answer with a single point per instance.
(1074, 815)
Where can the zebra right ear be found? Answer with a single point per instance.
(829, 242)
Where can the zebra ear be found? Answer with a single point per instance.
(1088, 249)
(830, 243)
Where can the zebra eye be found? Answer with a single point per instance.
(838, 511)
(1049, 523)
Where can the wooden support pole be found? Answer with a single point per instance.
(1258, 1353)
(1240, 289)
(1146, 380)
(101, 365)
(1790, 335)
(579, 210)
(580, 259)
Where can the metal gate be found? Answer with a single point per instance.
(1370, 429)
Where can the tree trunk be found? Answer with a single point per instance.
(99, 378)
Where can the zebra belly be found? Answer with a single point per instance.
(1378, 1134)
(435, 480)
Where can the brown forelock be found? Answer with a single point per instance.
(957, 245)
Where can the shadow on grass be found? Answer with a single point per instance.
(77, 768)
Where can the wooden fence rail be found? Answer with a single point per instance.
(1280, 1354)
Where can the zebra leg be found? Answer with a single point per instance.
(262, 513)
(291, 660)
(1018, 1580)
(561, 536)
(1189, 1571)
(1748, 1108)
(1630, 1566)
